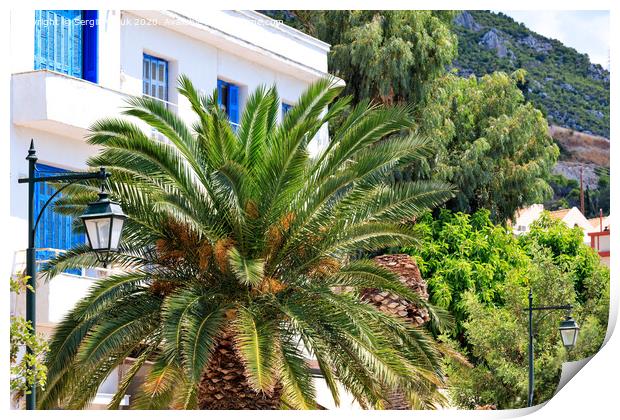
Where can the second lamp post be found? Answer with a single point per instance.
(568, 331)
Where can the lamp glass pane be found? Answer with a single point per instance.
(568, 337)
(98, 232)
(117, 227)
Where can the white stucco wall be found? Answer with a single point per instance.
(525, 217)
(575, 218)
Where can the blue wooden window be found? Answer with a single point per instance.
(228, 100)
(54, 230)
(285, 108)
(155, 77)
(66, 41)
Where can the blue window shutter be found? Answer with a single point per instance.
(58, 41)
(146, 75)
(162, 68)
(40, 39)
(54, 230)
(155, 77)
(233, 103)
(52, 40)
(90, 31)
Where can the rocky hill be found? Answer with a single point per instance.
(582, 155)
(571, 91)
(564, 84)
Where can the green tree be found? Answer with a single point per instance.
(560, 269)
(388, 56)
(498, 337)
(465, 253)
(490, 143)
(568, 250)
(602, 195)
(27, 369)
(236, 255)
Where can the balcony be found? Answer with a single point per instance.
(65, 105)
(54, 102)
(55, 297)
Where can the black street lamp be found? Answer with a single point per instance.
(103, 220)
(569, 330)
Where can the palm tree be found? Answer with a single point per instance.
(236, 258)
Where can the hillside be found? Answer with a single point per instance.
(570, 90)
(581, 155)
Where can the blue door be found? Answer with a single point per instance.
(54, 230)
(90, 45)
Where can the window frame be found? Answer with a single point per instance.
(157, 60)
(232, 105)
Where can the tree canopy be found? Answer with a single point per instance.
(482, 273)
(389, 56)
(462, 252)
(490, 143)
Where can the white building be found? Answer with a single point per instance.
(571, 217)
(70, 68)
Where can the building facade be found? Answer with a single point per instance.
(600, 238)
(72, 67)
(596, 231)
(571, 217)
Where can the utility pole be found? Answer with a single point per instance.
(581, 197)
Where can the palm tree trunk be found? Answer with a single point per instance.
(396, 401)
(223, 385)
(409, 274)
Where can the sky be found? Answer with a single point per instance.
(587, 31)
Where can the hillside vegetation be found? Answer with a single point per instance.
(564, 84)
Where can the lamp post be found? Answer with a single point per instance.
(103, 218)
(569, 330)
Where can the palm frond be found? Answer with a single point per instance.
(248, 272)
(298, 389)
(128, 377)
(158, 389)
(201, 324)
(244, 234)
(256, 341)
